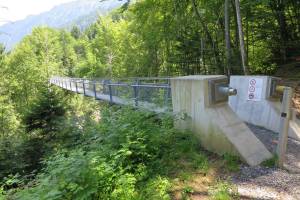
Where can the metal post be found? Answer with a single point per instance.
(117, 91)
(136, 92)
(167, 93)
(284, 124)
(71, 85)
(110, 92)
(76, 86)
(94, 88)
(83, 86)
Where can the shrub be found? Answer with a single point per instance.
(129, 155)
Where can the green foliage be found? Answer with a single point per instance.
(272, 162)
(157, 188)
(122, 153)
(186, 192)
(9, 118)
(223, 191)
(232, 163)
(21, 155)
(129, 156)
(45, 113)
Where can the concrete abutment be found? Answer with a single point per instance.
(263, 111)
(201, 109)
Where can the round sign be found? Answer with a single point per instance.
(251, 89)
(251, 96)
(253, 82)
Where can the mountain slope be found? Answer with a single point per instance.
(58, 17)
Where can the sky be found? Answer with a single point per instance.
(13, 10)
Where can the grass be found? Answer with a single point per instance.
(232, 163)
(192, 183)
(223, 191)
(272, 162)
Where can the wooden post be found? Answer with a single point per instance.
(284, 124)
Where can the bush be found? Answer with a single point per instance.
(129, 155)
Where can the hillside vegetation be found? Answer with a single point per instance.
(56, 145)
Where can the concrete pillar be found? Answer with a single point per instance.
(216, 125)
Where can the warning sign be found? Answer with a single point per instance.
(255, 89)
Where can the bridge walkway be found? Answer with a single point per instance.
(152, 94)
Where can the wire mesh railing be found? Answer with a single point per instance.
(150, 93)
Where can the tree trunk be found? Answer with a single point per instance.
(278, 8)
(236, 30)
(241, 36)
(208, 35)
(227, 37)
(283, 29)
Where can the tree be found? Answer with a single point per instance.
(9, 119)
(45, 114)
(241, 37)
(68, 55)
(227, 37)
(75, 32)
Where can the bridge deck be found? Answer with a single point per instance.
(89, 88)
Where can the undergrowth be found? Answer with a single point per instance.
(128, 155)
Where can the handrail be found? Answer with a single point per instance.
(112, 90)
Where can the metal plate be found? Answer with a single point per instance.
(215, 96)
(273, 94)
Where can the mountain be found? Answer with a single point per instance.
(79, 12)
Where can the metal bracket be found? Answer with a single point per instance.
(219, 91)
(273, 92)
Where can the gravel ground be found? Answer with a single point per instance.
(264, 183)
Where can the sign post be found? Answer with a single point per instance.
(284, 124)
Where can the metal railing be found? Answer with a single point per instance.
(150, 93)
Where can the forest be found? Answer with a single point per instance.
(58, 145)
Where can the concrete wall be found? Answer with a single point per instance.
(264, 113)
(217, 127)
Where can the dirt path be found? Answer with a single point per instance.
(271, 183)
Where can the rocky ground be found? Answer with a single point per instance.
(263, 183)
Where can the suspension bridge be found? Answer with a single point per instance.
(205, 105)
(153, 94)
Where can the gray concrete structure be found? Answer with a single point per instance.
(218, 128)
(264, 112)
